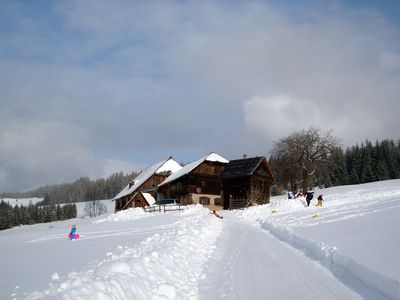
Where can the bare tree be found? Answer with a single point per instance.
(95, 208)
(302, 153)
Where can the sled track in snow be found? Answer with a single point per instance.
(105, 233)
(366, 282)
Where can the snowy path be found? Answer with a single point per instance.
(250, 261)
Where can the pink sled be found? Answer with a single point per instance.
(75, 237)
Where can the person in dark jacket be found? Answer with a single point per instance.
(309, 196)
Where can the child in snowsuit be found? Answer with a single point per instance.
(73, 231)
(309, 196)
(320, 200)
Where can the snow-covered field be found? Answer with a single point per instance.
(21, 201)
(345, 250)
(80, 206)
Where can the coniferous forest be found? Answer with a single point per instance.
(363, 163)
(58, 200)
(80, 190)
(34, 213)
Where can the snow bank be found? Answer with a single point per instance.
(165, 266)
(277, 206)
(129, 214)
(339, 264)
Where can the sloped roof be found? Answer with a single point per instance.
(166, 165)
(149, 198)
(189, 167)
(241, 167)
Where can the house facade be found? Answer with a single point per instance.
(245, 182)
(196, 182)
(142, 190)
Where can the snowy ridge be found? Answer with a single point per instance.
(336, 262)
(166, 265)
(125, 215)
(21, 201)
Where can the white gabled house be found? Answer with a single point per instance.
(142, 191)
(196, 182)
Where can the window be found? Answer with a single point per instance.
(204, 201)
(217, 201)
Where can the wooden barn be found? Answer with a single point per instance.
(142, 191)
(246, 181)
(196, 182)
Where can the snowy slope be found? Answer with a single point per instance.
(21, 201)
(80, 206)
(284, 250)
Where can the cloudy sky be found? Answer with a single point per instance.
(88, 88)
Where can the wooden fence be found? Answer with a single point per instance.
(238, 203)
(163, 208)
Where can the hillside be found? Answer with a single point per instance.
(284, 250)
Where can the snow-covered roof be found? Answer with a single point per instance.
(149, 198)
(189, 167)
(166, 165)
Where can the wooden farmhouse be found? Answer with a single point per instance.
(196, 182)
(246, 181)
(142, 191)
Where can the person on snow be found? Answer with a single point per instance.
(217, 215)
(73, 232)
(309, 196)
(320, 200)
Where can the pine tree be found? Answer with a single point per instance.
(73, 211)
(382, 171)
(6, 220)
(337, 168)
(59, 212)
(354, 179)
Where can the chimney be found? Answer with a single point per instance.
(244, 156)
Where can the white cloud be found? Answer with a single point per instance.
(110, 166)
(35, 153)
(156, 78)
(280, 115)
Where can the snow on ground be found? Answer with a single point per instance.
(80, 206)
(355, 233)
(345, 250)
(21, 201)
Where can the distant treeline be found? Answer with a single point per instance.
(80, 190)
(359, 164)
(34, 213)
